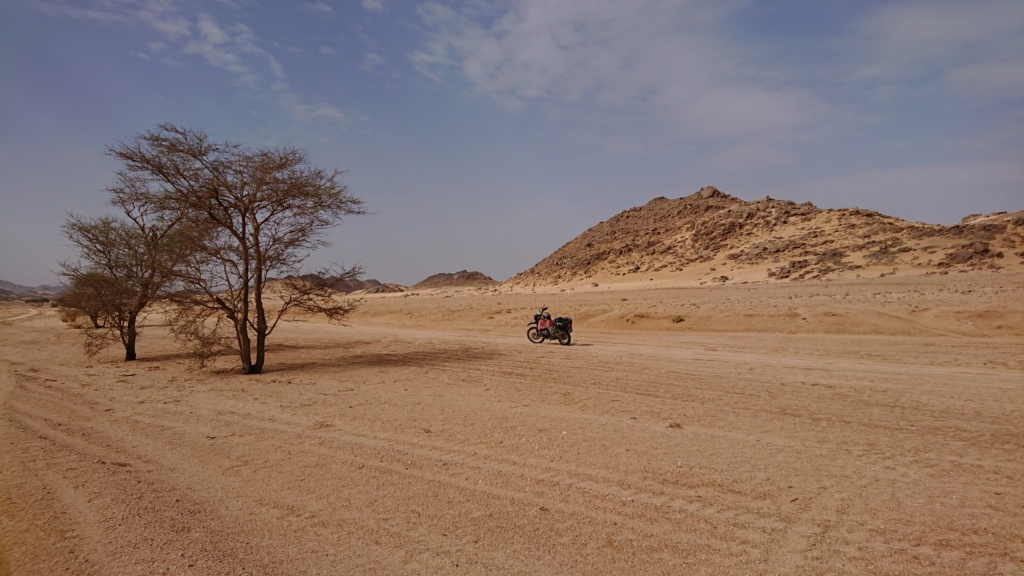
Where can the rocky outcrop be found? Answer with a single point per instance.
(462, 278)
(349, 285)
(787, 240)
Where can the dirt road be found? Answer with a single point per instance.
(375, 449)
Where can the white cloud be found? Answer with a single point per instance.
(371, 61)
(103, 13)
(162, 15)
(220, 50)
(665, 59)
(316, 112)
(167, 22)
(275, 67)
(306, 112)
(236, 4)
(373, 5)
(683, 71)
(320, 8)
(234, 48)
(973, 49)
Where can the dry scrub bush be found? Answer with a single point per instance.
(75, 318)
(69, 315)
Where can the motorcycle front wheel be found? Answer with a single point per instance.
(533, 336)
(564, 338)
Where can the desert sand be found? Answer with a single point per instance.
(854, 426)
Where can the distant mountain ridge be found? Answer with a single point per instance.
(462, 278)
(12, 290)
(784, 239)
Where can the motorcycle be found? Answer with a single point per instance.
(560, 329)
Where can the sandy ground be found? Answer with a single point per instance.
(855, 427)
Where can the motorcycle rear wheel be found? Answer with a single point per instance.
(533, 335)
(564, 338)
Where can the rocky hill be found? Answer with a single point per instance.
(370, 286)
(778, 239)
(349, 285)
(456, 279)
(12, 291)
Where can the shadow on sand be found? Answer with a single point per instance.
(335, 357)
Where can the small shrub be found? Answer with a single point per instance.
(81, 323)
(69, 315)
(677, 319)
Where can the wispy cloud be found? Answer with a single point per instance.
(307, 112)
(373, 5)
(319, 8)
(236, 4)
(223, 49)
(963, 49)
(233, 48)
(103, 13)
(663, 59)
(371, 61)
(683, 63)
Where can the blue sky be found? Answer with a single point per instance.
(484, 135)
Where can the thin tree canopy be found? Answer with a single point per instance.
(256, 214)
(123, 265)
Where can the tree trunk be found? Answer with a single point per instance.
(261, 344)
(244, 346)
(261, 332)
(131, 335)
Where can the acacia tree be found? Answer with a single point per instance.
(257, 214)
(123, 265)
